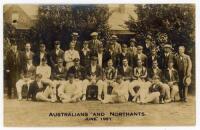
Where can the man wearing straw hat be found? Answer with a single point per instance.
(184, 67)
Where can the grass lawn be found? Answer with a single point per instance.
(28, 113)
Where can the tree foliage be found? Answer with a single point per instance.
(177, 21)
(57, 22)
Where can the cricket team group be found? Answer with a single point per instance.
(111, 73)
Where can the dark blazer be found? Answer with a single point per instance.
(120, 57)
(14, 63)
(151, 73)
(34, 89)
(36, 59)
(59, 75)
(78, 72)
(112, 56)
(54, 57)
(150, 60)
(29, 73)
(174, 77)
(85, 59)
(127, 75)
(89, 73)
(165, 60)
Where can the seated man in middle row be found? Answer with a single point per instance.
(94, 77)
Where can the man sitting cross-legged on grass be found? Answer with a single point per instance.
(42, 90)
(69, 91)
(120, 92)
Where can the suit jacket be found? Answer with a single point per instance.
(94, 45)
(97, 73)
(79, 72)
(174, 76)
(127, 74)
(59, 74)
(14, 63)
(187, 64)
(54, 57)
(85, 58)
(132, 51)
(120, 57)
(151, 73)
(165, 60)
(117, 47)
(36, 59)
(29, 73)
(25, 56)
(109, 55)
(143, 58)
(150, 60)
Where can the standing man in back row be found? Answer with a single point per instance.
(184, 67)
(94, 43)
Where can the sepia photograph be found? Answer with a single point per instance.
(99, 65)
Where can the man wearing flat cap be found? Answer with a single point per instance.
(184, 67)
(78, 45)
(166, 56)
(116, 45)
(94, 43)
(56, 54)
